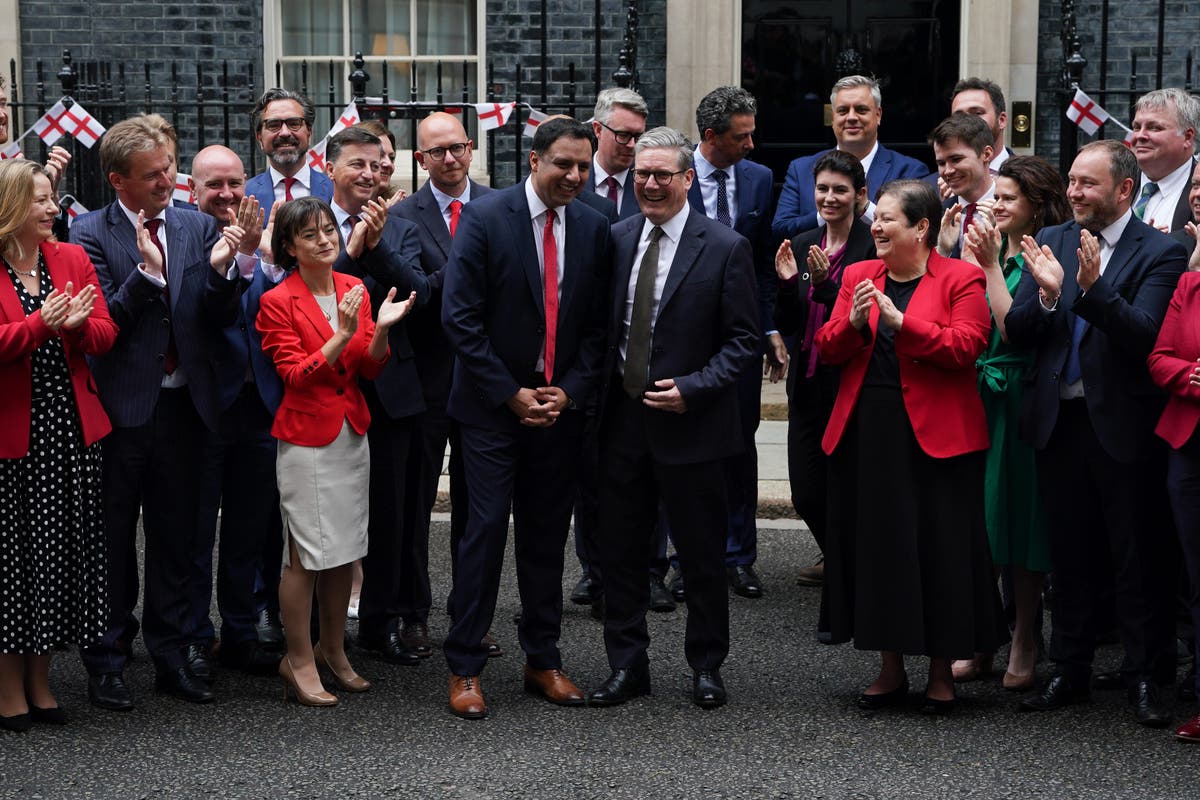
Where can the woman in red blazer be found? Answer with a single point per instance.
(52, 562)
(316, 325)
(1175, 366)
(907, 565)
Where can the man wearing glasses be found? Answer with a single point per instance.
(618, 120)
(283, 122)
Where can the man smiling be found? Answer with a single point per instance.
(1164, 136)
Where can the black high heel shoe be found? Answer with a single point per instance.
(48, 716)
(874, 702)
(18, 723)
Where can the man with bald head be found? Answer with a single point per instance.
(444, 151)
(239, 456)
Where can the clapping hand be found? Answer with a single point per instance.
(56, 165)
(818, 264)
(1194, 260)
(56, 308)
(785, 261)
(152, 258)
(860, 304)
(250, 219)
(983, 242)
(888, 313)
(1088, 253)
(228, 243)
(391, 312)
(348, 310)
(80, 307)
(951, 229)
(369, 230)
(1044, 267)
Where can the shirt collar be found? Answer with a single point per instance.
(1172, 183)
(132, 216)
(599, 175)
(303, 177)
(340, 215)
(988, 195)
(870, 157)
(672, 228)
(998, 159)
(1113, 233)
(444, 200)
(536, 206)
(704, 169)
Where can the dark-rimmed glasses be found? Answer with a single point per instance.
(293, 123)
(661, 177)
(458, 149)
(622, 137)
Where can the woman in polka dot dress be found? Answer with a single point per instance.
(52, 573)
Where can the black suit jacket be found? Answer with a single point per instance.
(1124, 310)
(704, 335)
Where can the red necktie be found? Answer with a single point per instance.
(612, 185)
(968, 217)
(172, 359)
(455, 211)
(550, 281)
(288, 183)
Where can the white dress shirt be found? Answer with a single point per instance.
(600, 176)
(668, 243)
(537, 218)
(301, 188)
(708, 186)
(1161, 208)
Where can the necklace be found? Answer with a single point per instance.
(32, 273)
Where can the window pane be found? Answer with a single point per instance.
(380, 28)
(446, 27)
(311, 27)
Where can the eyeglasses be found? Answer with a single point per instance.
(622, 137)
(458, 149)
(662, 178)
(294, 124)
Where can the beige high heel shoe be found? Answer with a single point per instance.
(347, 683)
(321, 698)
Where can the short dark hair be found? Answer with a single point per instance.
(969, 129)
(717, 108)
(552, 130)
(351, 135)
(1122, 163)
(844, 164)
(983, 85)
(918, 201)
(271, 95)
(1042, 186)
(288, 219)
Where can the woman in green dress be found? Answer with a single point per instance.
(1029, 196)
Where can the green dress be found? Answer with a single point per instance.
(1016, 523)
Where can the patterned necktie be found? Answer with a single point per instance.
(288, 183)
(641, 322)
(550, 282)
(723, 216)
(455, 212)
(172, 358)
(1148, 191)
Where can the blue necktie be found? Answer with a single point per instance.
(1072, 371)
(723, 217)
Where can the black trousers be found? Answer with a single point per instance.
(810, 402)
(631, 486)
(1183, 486)
(432, 431)
(153, 469)
(1101, 509)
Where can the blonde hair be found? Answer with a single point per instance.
(138, 134)
(16, 197)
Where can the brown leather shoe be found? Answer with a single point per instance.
(553, 685)
(466, 697)
(494, 650)
(812, 575)
(415, 636)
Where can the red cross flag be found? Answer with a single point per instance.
(74, 208)
(74, 121)
(12, 151)
(535, 118)
(493, 115)
(183, 192)
(316, 157)
(1086, 113)
(348, 117)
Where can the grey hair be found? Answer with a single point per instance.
(854, 82)
(618, 96)
(664, 138)
(1187, 108)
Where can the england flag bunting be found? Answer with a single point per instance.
(74, 121)
(348, 117)
(73, 207)
(12, 151)
(535, 118)
(183, 192)
(316, 157)
(1086, 113)
(493, 115)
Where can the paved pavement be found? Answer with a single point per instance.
(791, 730)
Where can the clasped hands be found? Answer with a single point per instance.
(540, 407)
(865, 295)
(66, 310)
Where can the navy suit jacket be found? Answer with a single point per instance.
(493, 310)
(754, 186)
(432, 353)
(797, 210)
(1124, 309)
(130, 375)
(629, 203)
(704, 336)
(240, 344)
(261, 187)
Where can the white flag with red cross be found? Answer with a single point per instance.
(316, 157)
(74, 208)
(183, 192)
(1086, 113)
(535, 118)
(12, 151)
(348, 117)
(493, 115)
(75, 121)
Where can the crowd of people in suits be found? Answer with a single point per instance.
(992, 375)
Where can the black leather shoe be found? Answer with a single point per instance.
(708, 690)
(268, 628)
(596, 612)
(48, 716)
(744, 581)
(1059, 692)
(178, 682)
(250, 657)
(676, 586)
(938, 708)
(415, 636)
(1108, 681)
(17, 723)
(109, 691)
(874, 702)
(584, 592)
(622, 685)
(390, 648)
(660, 598)
(1148, 709)
(195, 656)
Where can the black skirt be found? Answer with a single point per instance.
(907, 565)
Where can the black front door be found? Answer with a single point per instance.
(794, 50)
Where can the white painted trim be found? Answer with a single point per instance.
(10, 45)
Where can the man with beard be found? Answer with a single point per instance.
(282, 121)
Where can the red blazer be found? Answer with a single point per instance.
(316, 395)
(21, 335)
(1173, 359)
(945, 329)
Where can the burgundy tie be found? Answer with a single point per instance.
(288, 183)
(968, 217)
(611, 183)
(550, 281)
(455, 211)
(172, 359)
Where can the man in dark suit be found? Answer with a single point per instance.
(239, 456)
(618, 120)
(167, 284)
(282, 122)
(1090, 305)
(737, 193)
(444, 151)
(857, 111)
(683, 326)
(523, 306)
(391, 259)
(1164, 137)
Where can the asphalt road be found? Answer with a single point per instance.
(791, 730)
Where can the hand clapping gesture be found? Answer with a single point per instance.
(818, 264)
(785, 261)
(860, 304)
(983, 243)
(227, 245)
(391, 312)
(80, 307)
(249, 218)
(348, 311)
(56, 308)
(369, 230)
(1044, 267)
(151, 257)
(1088, 253)
(951, 229)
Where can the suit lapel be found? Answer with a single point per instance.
(744, 193)
(121, 230)
(881, 166)
(306, 305)
(10, 304)
(625, 247)
(695, 198)
(1127, 246)
(521, 225)
(571, 258)
(691, 244)
(177, 255)
(431, 217)
(1070, 288)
